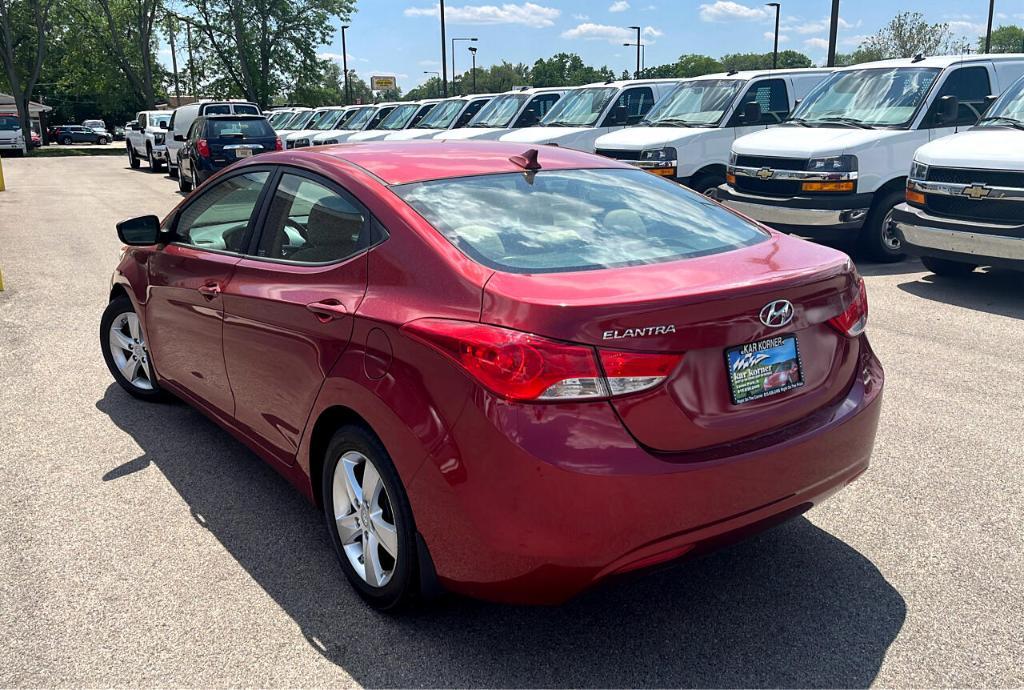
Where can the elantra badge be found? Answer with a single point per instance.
(640, 332)
(777, 314)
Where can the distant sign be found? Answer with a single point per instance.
(383, 83)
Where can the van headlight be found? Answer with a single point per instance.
(918, 171)
(659, 161)
(833, 164)
(732, 159)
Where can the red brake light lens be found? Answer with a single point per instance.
(278, 146)
(853, 321)
(203, 148)
(526, 367)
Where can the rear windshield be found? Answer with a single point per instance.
(254, 127)
(575, 220)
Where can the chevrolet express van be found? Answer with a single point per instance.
(524, 107)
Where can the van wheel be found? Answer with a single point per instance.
(945, 267)
(707, 184)
(878, 238)
(133, 160)
(369, 519)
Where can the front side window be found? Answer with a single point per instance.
(500, 111)
(538, 108)
(574, 220)
(310, 223)
(420, 114)
(218, 218)
(580, 108)
(771, 95)
(876, 97)
(700, 103)
(1009, 109)
(442, 116)
(471, 110)
(399, 117)
(379, 116)
(971, 87)
(630, 107)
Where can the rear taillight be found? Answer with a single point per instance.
(853, 321)
(278, 146)
(523, 366)
(203, 148)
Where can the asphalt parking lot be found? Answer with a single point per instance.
(144, 546)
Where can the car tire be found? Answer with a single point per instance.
(707, 184)
(184, 186)
(154, 165)
(878, 238)
(64, 140)
(102, 141)
(172, 171)
(133, 159)
(121, 338)
(382, 520)
(945, 267)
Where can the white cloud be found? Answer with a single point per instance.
(613, 34)
(619, 6)
(581, 17)
(770, 37)
(528, 14)
(726, 10)
(966, 27)
(819, 43)
(818, 26)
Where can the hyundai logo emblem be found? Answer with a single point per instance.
(777, 314)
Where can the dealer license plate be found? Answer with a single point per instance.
(764, 368)
(243, 153)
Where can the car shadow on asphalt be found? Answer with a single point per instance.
(792, 607)
(991, 290)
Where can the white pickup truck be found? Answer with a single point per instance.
(146, 137)
(686, 137)
(838, 167)
(965, 194)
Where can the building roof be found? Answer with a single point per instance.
(7, 105)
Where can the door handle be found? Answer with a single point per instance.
(209, 290)
(327, 310)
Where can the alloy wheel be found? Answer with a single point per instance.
(129, 352)
(364, 516)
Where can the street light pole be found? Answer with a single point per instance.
(455, 88)
(636, 75)
(444, 58)
(988, 31)
(473, 51)
(832, 32)
(438, 75)
(344, 64)
(775, 48)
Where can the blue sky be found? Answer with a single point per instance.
(402, 37)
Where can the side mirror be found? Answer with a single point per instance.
(179, 137)
(751, 113)
(618, 116)
(949, 108)
(797, 102)
(134, 126)
(139, 232)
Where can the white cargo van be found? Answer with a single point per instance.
(965, 194)
(365, 118)
(450, 113)
(183, 117)
(687, 135)
(335, 117)
(404, 116)
(588, 112)
(507, 111)
(839, 166)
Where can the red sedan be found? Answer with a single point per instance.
(499, 372)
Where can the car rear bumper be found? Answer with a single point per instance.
(536, 503)
(969, 241)
(812, 215)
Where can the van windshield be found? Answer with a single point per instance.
(328, 120)
(576, 220)
(700, 103)
(442, 116)
(500, 111)
(9, 124)
(399, 117)
(299, 120)
(579, 108)
(874, 97)
(1009, 109)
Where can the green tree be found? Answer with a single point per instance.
(261, 46)
(429, 89)
(1005, 39)
(321, 86)
(906, 35)
(858, 56)
(128, 27)
(24, 26)
(567, 69)
(685, 67)
(788, 59)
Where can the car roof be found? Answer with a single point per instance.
(940, 61)
(745, 75)
(402, 162)
(234, 116)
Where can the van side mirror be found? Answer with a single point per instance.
(179, 137)
(949, 108)
(139, 232)
(797, 102)
(618, 116)
(751, 113)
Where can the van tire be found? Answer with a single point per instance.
(878, 239)
(707, 183)
(945, 267)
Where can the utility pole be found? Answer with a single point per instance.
(174, 59)
(455, 87)
(988, 31)
(444, 58)
(833, 30)
(636, 75)
(344, 65)
(473, 51)
(775, 48)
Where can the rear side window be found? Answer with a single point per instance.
(220, 215)
(538, 108)
(771, 95)
(971, 86)
(254, 127)
(310, 223)
(573, 220)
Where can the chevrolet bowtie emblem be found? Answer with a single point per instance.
(977, 191)
(765, 173)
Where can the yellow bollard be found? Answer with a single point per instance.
(1, 189)
(1, 281)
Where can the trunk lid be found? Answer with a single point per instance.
(700, 307)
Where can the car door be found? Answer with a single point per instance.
(187, 278)
(185, 161)
(972, 86)
(289, 308)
